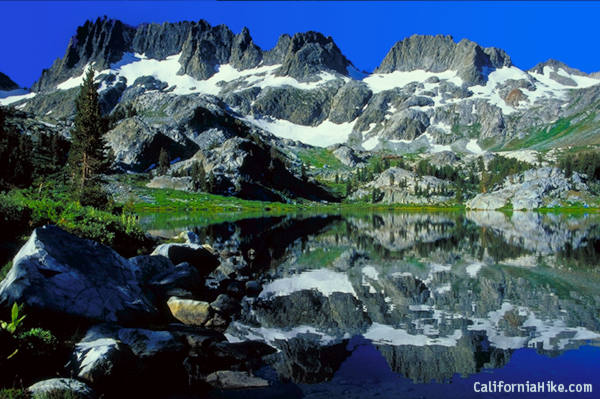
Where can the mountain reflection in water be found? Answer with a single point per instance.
(405, 303)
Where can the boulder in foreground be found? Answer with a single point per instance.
(60, 273)
(62, 388)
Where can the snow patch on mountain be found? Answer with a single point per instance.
(133, 66)
(8, 97)
(323, 135)
(474, 147)
(379, 82)
(370, 143)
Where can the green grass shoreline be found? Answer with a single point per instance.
(164, 209)
(168, 200)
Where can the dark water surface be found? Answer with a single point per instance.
(419, 305)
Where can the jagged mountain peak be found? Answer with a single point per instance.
(202, 48)
(6, 83)
(441, 53)
(556, 65)
(311, 52)
(101, 42)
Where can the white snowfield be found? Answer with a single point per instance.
(323, 135)
(133, 66)
(379, 82)
(12, 96)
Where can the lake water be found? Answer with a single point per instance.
(419, 305)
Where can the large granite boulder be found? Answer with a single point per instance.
(60, 273)
(61, 388)
(348, 156)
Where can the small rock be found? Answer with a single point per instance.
(147, 343)
(189, 236)
(183, 277)
(227, 379)
(196, 338)
(198, 256)
(253, 288)
(225, 304)
(189, 311)
(218, 322)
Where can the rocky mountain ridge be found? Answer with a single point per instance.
(6, 83)
(428, 94)
(202, 47)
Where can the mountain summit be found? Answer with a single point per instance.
(441, 53)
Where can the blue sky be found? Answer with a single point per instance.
(33, 34)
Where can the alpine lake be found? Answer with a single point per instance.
(415, 304)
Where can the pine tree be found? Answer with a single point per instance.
(211, 183)
(163, 162)
(89, 156)
(459, 195)
(375, 194)
(198, 176)
(303, 175)
(377, 167)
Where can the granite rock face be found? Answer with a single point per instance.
(227, 379)
(348, 102)
(60, 273)
(532, 189)
(102, 42)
